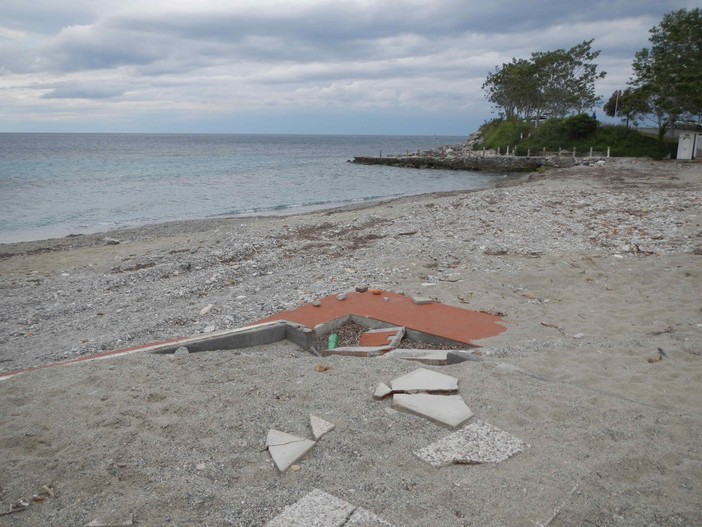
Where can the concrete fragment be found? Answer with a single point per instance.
(422, 300)
(456, 357)
(206, 309)
(381, 391)
(320, 426)
(286, 449)
(319, 509)
(423, 380)
(181, 352)
(112, 521)
(448, 410)
(478, 442)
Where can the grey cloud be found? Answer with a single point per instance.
(80, 90)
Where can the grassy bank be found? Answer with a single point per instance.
(580, 132)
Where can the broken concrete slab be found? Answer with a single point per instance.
(112, 520)
(319, 509)
(448, 410)
(478, 442)
(320, 426)
(286, 449)
(423, 380)
(381, 391)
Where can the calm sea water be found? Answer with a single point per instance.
(57, 184)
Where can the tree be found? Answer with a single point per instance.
(628, 104)
(669, 74)
(556, 82)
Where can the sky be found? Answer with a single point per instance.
(397, 67)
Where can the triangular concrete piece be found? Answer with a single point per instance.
(423, 380)
(319, 509)
(449, 410)
(286, 449)
(320, 426)
(478, 442)
(381, 391)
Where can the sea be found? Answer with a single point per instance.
(56, 184)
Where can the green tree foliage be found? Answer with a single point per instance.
(668, 75)
(554, 82)
(628, 104)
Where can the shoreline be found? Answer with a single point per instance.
(204, 223)
(592, 269)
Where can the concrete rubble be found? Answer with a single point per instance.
(320, 426)
(286, 449)
(319, 509)
(449, 410)
(476, 443)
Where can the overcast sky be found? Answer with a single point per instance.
(289, 66)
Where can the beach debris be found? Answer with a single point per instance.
(206, 309)
(578, 335)
(424, 380)
(286, 449)
(322, 509)
(333, 341)
(449, 410)
(382, 391)
(476, 443)
(320, 426)
(661, 354)
(17, 506)
(111, 241)
(112, 520)
(321, 368)
(421, 300)
(376, 292)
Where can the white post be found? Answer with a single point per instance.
(573, 152)
(607, 151)
(507, 150)
(528, 152)
(590, 151)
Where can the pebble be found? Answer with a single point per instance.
(206, 309)
(182, 351)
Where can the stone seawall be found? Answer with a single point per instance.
(477, 163)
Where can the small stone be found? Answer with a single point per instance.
(209, 329)
(578, 335)
(112, 241)
(200, 466)
(295, 468)
(316, 303)
(361, 288)
(185, 266)
(341, 297)
(206, 309)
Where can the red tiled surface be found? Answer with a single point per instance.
(461, 325)
(376, 339)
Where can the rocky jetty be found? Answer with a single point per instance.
(466, 156)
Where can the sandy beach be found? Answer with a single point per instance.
(593, 269)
